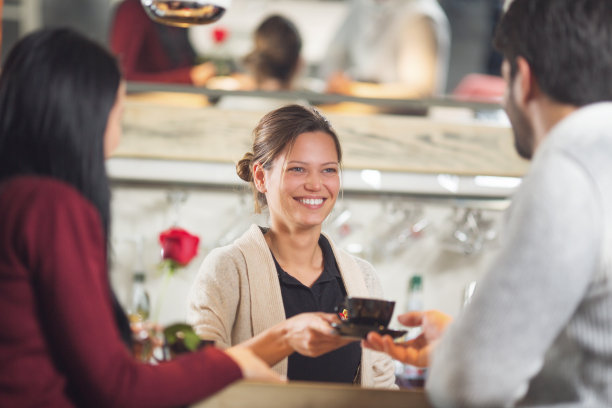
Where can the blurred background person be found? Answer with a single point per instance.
(275, 59)
(389, 48)
(487, 85)
(153, 52)
(273, 64)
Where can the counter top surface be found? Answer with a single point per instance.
(298, 394)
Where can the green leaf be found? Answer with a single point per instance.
(181, 337)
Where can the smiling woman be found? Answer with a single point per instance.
(277, 287)
(302, 183)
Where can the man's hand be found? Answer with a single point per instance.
(415, 351)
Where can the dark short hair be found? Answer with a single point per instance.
(56, 92)
(567, 43)
(277, 131)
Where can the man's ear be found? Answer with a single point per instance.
(525, 84)
(259, 177)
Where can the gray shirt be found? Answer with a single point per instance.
(539, 329)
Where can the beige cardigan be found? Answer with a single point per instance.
(236, 295)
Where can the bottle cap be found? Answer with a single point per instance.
(416, 282)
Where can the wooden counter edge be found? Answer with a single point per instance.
(298, 394)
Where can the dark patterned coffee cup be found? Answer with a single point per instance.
(366, 311)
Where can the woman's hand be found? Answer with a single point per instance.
(415, 351)
(252, 367)
(312, 335)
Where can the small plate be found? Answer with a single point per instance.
(361, 332)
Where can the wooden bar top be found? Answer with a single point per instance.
(297, 394)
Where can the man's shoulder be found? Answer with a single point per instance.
(585, 136)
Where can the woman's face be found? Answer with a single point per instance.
(302, 186)
(112, 135)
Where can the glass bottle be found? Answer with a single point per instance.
(414, 294)
(409, 376)
(140, 304)
(138, 313)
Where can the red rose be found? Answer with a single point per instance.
(178, 245)
(219, 34)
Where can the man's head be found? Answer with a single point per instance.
(567, 43)
(565, 47)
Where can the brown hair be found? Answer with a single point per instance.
(277, 50)
(275, 132)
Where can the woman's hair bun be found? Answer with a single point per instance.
(244, 169)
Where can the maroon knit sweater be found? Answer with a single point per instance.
(59, 344)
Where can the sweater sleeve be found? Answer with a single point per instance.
(215, 295)
(64, 247)
(488, 356)
(131, 30)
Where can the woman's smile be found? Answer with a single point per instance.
(311, 202)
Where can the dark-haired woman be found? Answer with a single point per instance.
(276, 288)
(61, 98)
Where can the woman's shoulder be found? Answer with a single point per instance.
(348, 262)
(40, 210)
(365, 267)
(370, 276)
(40, 184)
(343, 256)
(40, 191)
(223, 260)
(229, 251)
(251, 241)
